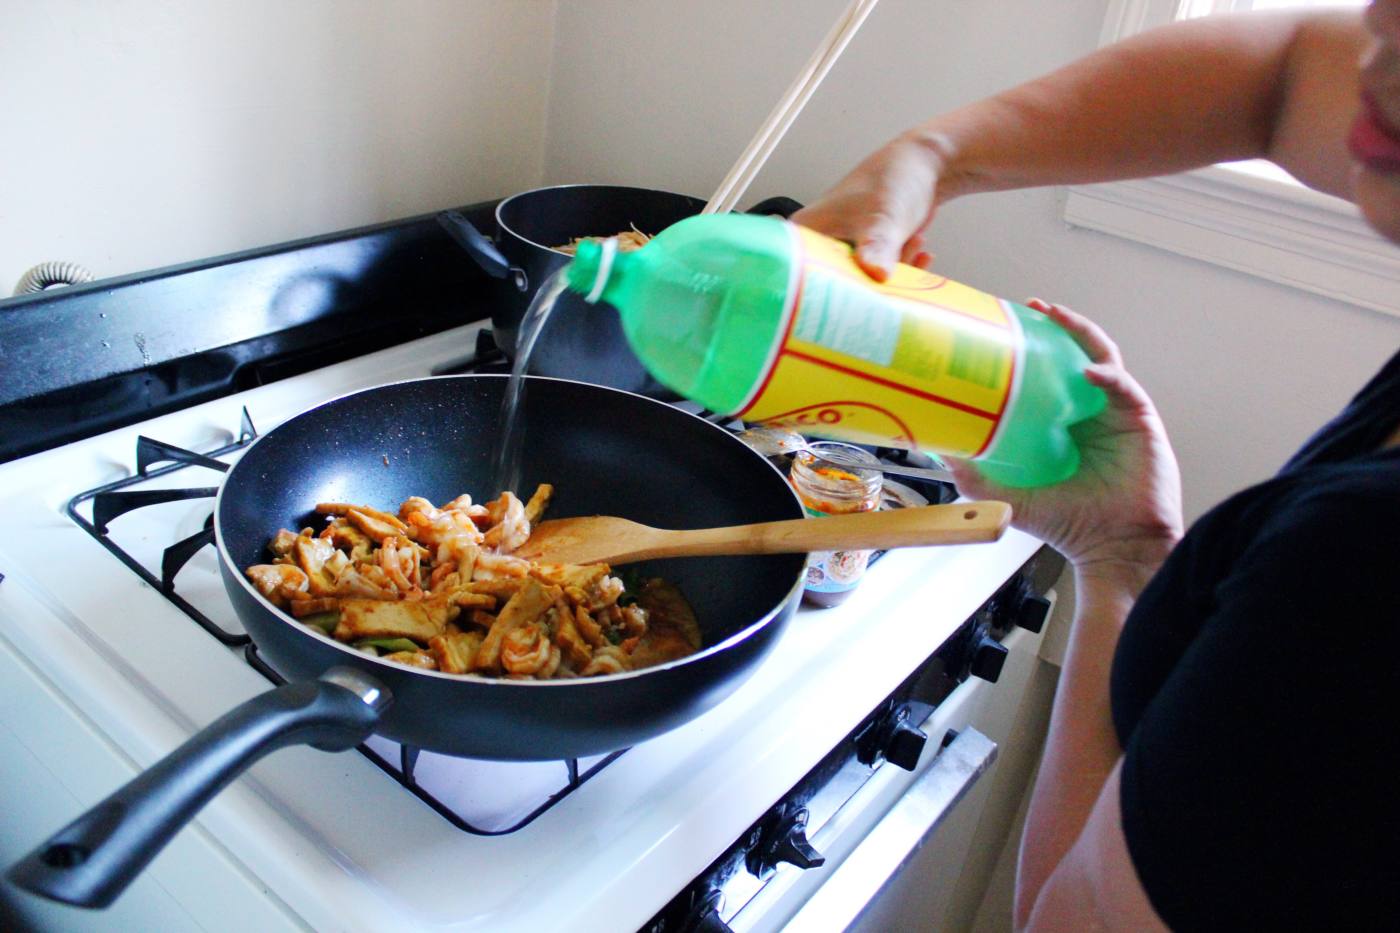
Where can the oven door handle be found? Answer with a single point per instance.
(893, 842)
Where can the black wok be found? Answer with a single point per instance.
(606, 452)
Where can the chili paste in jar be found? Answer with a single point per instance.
(826, 489)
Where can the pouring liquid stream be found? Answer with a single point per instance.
(508, 453)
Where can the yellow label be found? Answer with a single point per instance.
(917, 361)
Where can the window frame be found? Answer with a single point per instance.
(1232, 217)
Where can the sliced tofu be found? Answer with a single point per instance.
(311, 555)
(532, 601)
(456, 651)
(376, 618)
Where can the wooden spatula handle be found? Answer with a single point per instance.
(956, 523)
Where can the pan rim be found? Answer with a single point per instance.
(503, 226)
(794, 592)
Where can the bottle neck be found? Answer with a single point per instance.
(591, 268)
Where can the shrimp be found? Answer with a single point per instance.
(449, 531)
(608, 660)
(528, 650)
(634, 620)
(366, 581)
(607, 592)
(399, 559)
(463, 503)
(491, 566)
(509, 526)
(415, 504)
(437, 580)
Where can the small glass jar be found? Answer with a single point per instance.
(826, 489)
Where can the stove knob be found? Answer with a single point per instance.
(905, 743)
(1032, 612)
(987, 658)
(706, 918)
(783, 840)
(891, 738)
(792, 845)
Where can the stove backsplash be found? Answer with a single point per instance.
(80, 360)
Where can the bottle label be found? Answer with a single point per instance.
(917, 361)
(834, 571)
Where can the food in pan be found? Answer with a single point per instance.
(436, 587)
(627, 241)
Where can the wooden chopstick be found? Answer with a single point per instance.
(792, 101)
(732, 188)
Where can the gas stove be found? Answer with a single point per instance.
(117, 643)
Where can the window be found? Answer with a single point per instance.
(1193, 8)
(1249, 216)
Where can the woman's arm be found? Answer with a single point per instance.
(1095, 887)
(1115, 520)
(1276, 86)
(1081, 751)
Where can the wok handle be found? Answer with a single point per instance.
(91, 861)
(480, 248)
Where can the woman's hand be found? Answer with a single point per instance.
(1122, 510)
(884, 205)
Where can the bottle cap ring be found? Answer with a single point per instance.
(605, 262)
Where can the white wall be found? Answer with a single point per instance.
(141, 133)
(668, 94)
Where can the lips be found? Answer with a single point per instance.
(1373, 142)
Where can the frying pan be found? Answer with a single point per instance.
(606, 451)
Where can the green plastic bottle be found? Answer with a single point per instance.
(775, 324)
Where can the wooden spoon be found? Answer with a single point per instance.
(610, 540)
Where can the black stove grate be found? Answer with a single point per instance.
(403, 773)
(115, 498)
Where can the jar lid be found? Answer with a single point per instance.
(843, 476)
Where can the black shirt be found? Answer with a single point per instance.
(1256, 693)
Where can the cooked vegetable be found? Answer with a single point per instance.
(388, 644)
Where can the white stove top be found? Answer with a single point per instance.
(100, 676)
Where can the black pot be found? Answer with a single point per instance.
(580, 341)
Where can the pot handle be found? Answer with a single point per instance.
(782, 206)
(480, 248)
(91, 861)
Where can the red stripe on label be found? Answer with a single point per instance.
(889, 384)
(782, 347)
(1005, 400)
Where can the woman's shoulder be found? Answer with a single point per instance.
(1338, 522)
(1360, 493)
(1360, 496)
